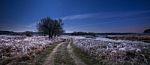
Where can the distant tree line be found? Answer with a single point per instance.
(26, 33)
(147, 31)
(6, 32)
(83, 33)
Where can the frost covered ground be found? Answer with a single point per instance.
(106, 51)
(115, 52)
(23, 47)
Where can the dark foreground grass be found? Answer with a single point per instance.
(62, 56)
(41, 58)
(85, 57)
(38, 59)
(146, 52)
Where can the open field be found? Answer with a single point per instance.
(21, 48)
(114, 52)
(72, 50)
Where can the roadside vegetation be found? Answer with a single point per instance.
(38, 59)
(89, 60)
(103, 51)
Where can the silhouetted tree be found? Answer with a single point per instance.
(51, 27)
(147, 31)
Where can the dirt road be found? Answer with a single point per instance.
(63, 54)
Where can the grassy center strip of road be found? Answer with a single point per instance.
(62, 56)
(77, 60)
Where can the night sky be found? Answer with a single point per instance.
(77, 15)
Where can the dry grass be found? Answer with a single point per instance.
(89, 60)
(37, 60)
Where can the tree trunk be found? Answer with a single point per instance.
(50, 36)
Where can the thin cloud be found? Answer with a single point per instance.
(103, 15)
(106, 22)
(80, 16)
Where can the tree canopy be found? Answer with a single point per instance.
(49, 26)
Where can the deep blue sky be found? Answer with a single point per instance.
(77, 15)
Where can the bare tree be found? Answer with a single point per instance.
(50, 26)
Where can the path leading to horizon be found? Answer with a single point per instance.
(50, 58)
(63, 54)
